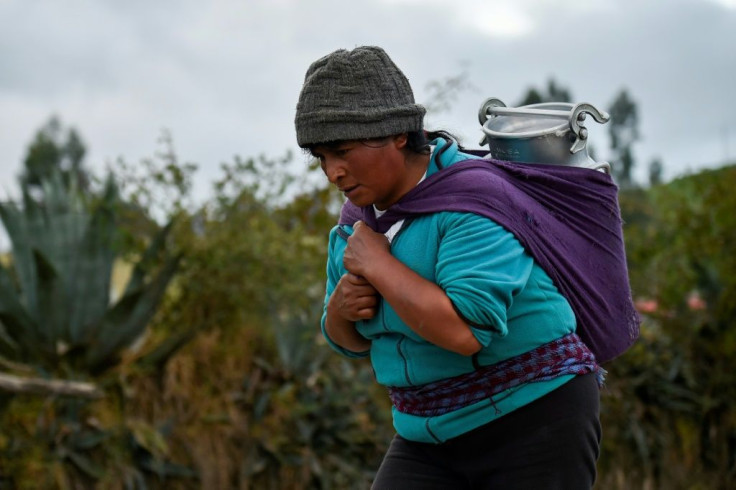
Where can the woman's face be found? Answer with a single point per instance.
(367, 171)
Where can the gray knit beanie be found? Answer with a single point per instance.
(356, 94)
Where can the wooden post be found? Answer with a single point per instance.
(40, 386)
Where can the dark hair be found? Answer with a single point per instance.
(419, 142)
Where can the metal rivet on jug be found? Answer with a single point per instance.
(550, 132)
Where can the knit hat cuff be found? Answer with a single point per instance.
(324, 127)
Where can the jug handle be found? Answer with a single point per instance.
(577, 116)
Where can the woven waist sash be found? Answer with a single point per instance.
(566, 355)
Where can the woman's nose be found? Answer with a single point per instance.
(333, 169)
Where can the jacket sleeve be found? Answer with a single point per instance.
(335, 271)
(481, 267)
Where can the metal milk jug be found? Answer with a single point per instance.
(551, 133)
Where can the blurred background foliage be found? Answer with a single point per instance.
(226, 381)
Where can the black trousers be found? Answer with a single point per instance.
(552, 443)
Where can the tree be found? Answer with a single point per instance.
(623, 130)
(54, 148)
(554, 93)
(655, 172)
(532, 96)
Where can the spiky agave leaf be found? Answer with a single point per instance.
(16, 226)
(91, 269)
(53, 305)
(57, 237)
(9, 348)
(52, 227)
(138, 303)
(18, 324)
(127, 320)
(152, 252)
(46, 236)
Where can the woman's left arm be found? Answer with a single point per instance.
(420, 303)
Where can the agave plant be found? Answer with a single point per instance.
(56, 307)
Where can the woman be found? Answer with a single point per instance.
(462, 324)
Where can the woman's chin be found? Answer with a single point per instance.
(357, 199)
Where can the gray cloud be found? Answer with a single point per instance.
(224, 76)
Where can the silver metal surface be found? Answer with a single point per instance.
(549, 133)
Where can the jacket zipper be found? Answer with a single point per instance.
(403, 360)
(344, 234)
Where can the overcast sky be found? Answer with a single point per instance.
(224, 76)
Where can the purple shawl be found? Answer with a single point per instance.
(567, 218)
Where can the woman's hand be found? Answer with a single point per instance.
(365, 250)
(353, 299)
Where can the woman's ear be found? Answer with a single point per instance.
(400, 140)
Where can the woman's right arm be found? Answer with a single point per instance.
(353, 299)
(348, 299)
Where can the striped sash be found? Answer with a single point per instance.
(566, 355)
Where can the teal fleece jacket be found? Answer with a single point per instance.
(510, 303)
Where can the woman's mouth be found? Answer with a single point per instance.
(347, 190)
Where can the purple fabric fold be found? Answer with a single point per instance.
(567, 218)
